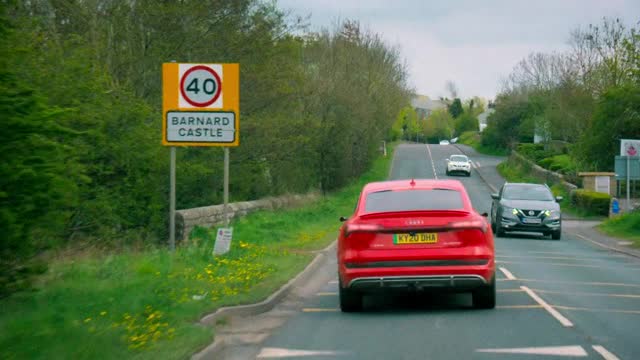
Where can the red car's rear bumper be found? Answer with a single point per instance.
(461, 272)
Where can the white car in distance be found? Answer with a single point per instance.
(459, 164)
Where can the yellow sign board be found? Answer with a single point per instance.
(200, 104)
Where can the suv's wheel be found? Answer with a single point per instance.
(350, 301)
(499, 231)
(485, 297)
(556, 235)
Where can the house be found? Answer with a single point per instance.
(425, 106)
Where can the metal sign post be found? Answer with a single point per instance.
(628, 182)
(172, 198)
(226, 187)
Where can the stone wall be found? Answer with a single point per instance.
(208, 216)
(544, 174)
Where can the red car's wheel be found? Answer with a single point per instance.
(485, 297)
(350, 301)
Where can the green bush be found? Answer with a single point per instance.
(563, 164)
(471, 138)
(534, 152)
(591, 201)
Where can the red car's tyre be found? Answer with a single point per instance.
(485, 297)
(350, 301)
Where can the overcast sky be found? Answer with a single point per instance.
(473, 43)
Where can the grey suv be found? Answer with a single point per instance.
(526, 207)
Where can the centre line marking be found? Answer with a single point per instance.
(328, 293)
(433, 165)
(507, 273)
(604, 353)
(563, 320)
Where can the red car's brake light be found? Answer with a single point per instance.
(471, 224)
(361, 228)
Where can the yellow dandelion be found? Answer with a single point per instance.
(103, 313)
(87, 320)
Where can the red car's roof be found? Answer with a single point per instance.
(414, 184)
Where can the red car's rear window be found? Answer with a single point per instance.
(408, 200)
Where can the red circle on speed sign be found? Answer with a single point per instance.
(200, 86)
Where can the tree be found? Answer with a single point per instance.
(466, 122)
(455, 109)
(504, 125)
(439, 126)
(617, 116)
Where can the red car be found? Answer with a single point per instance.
(415, 235)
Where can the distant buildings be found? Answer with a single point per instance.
(425, 106)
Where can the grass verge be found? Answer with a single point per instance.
(146, 305)
(626, 226)
(473, 139)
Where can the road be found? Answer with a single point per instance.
(556, 299)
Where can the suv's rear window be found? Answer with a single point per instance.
(407, 200)
(527, 192)
(459, 158)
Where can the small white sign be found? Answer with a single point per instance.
(629, 147)
(223, 241)
(603, 184)
(201, 126)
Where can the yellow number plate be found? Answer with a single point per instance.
(421, 238)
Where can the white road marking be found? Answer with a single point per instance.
(561, 253)
(578, 293)
(574, 351)
(327, 293)
(604, 353)
(581, 283)
(563, 320)
(612, 311)
(320, 310)
(602, 245)
(508, 274)
(333, 282)
(628, 268)
(433, 165)
(624, 243)
(581, 258)
(279, 353)
(519, 307)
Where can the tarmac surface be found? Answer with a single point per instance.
(576, 297)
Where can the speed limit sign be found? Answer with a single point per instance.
(201, 104)
(200, 86)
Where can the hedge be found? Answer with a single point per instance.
(591, 201)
